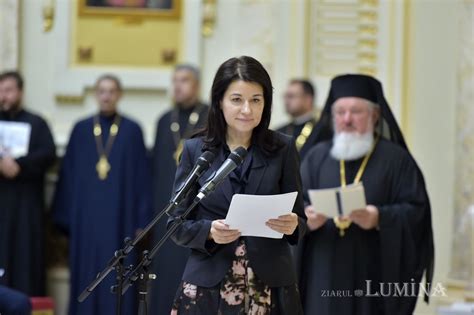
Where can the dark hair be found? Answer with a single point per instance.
(250, 70)
(191, 68)
(306, 85)
(15, 75)
(110, 77)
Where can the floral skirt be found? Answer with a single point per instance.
(240, 292)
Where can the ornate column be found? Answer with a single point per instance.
(462, 259)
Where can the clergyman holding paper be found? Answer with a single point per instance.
(390, 240)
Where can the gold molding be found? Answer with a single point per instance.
(354, 22)
(209, 13)
(63, 99)
(98, 40)
(390, 92)
(174, 12)
(49, 9)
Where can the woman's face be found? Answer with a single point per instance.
(242, 106)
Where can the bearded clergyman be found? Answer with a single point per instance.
(390, 241)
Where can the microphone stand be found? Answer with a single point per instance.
(117, 261)
(141, 272)
(127, 276)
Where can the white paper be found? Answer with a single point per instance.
(353, 198)
(14, 138)
(249, 213)
(325, 200)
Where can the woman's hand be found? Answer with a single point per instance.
(221, 233)
(315, 219)
(285, 224)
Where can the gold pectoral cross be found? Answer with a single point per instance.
(342, 225)
(103, 167)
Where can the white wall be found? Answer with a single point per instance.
(431, 115)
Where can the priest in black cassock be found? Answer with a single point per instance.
(348, 260)
(103, 195)
(299, 100)
(22, 204)
(187, 115)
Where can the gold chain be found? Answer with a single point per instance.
(361, 170)
(304, 134)
(344, 224)
(175, 129)
(103, 166)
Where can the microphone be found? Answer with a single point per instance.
(234, 159)
(203, 163)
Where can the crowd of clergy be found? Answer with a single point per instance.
(110, 186)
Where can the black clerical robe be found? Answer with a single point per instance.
(339, 273)
(169, 263)
(22, 210)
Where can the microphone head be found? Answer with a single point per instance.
(238, 155)
(206, 159)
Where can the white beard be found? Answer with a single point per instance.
(351, 145)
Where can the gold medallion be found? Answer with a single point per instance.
(193, 118)
(103, 167)
(174, 127)
(113, 130)
(97, 130)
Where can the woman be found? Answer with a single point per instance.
(226, 273)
